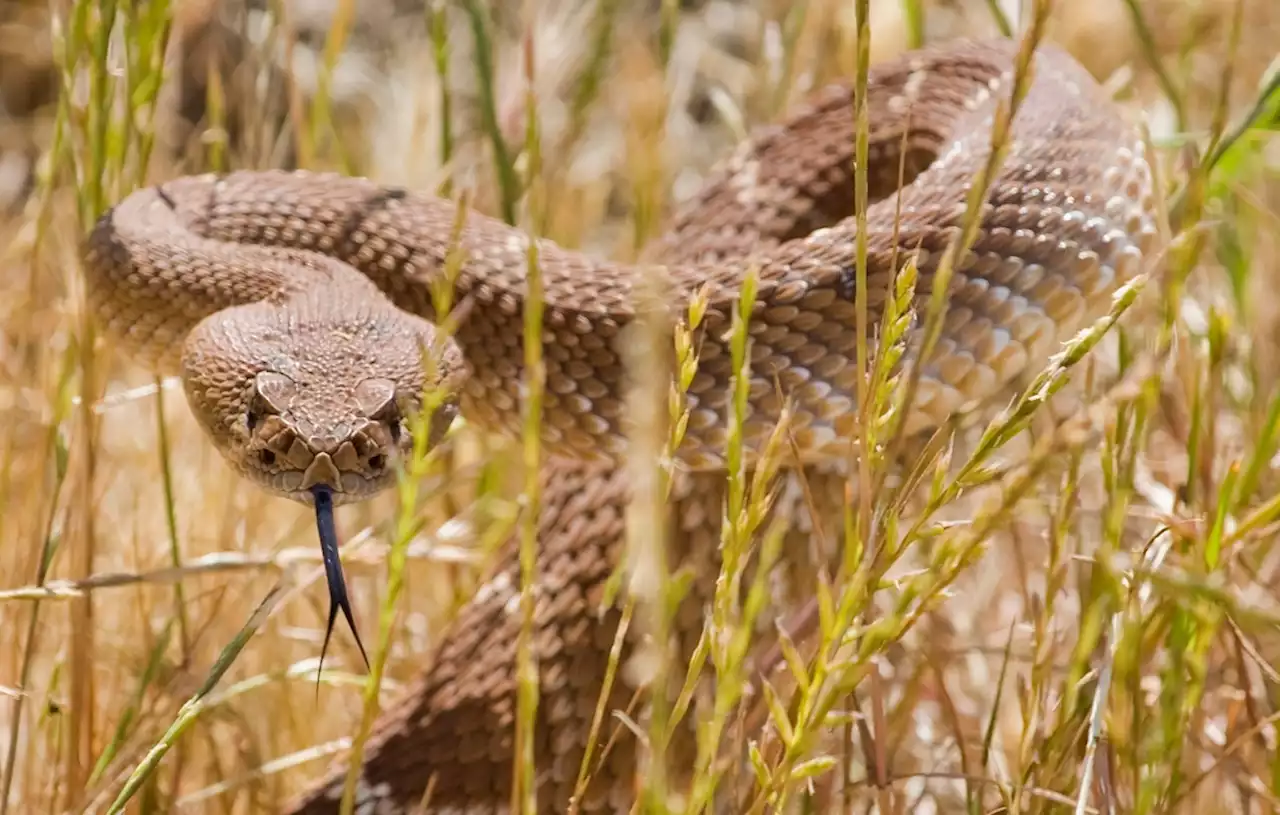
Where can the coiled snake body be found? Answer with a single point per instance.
(295, 307)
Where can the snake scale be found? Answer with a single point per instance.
(295, 307)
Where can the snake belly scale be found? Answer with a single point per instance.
(295, 306)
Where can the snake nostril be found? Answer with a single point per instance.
(267, 457)
(376, 461)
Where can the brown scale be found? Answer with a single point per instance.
(173, 275)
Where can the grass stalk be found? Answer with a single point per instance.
(504, 163)
(862, 130)
(650, 582)
(171, 523)
(1151, 52)
(196, 706)
(321, 120)
(524, 790)
(438, 31)
(422, 464)
(913, 14)
(591, 79)
(49, 545)
(956, 249)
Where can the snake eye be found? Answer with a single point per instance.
(271, 393)
(267, 457)
(377, 400)
(377, 461)
(391, 417)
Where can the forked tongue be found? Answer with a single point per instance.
(333, 573)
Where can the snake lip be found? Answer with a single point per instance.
(338, 599)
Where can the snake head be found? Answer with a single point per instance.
(328, 404)
(351, 447)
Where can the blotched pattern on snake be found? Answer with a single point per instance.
(295, 306)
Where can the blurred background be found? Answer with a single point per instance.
(130, 555)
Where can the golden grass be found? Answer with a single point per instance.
(1076, 613)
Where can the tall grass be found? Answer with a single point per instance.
(1067, 607)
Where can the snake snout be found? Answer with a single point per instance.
(321, 471)
(352, 468)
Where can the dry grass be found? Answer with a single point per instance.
(1080, 615)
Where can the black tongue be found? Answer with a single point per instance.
(333, 573)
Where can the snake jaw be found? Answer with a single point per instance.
(327, 530)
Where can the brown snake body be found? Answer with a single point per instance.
(294, 306)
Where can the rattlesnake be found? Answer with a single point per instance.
(300, 368)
